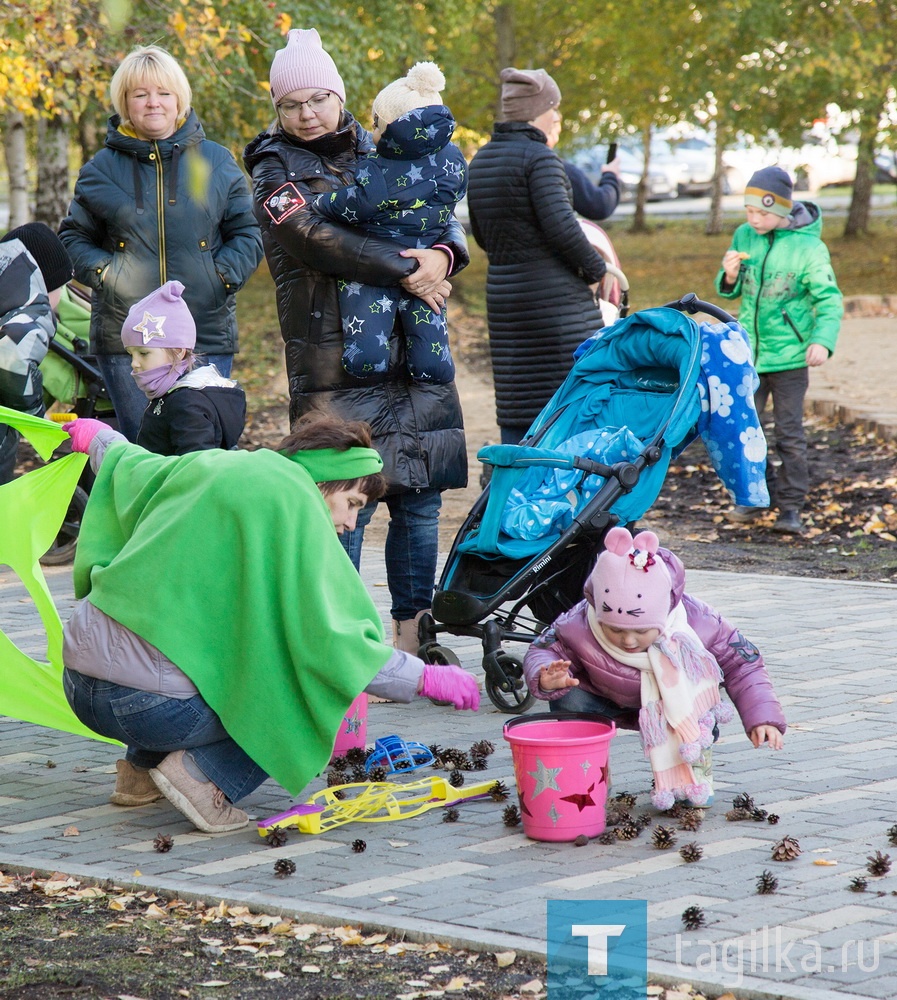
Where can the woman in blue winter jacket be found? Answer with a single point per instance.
(137, 221)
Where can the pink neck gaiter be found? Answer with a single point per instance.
(157, 381)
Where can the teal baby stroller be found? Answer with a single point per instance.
(638, 394)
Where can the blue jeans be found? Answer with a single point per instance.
(153, 725)
(412, 548)
(129, 402)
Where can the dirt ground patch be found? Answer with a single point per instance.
(103, 942)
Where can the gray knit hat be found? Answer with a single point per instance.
(770, 188)
(526, 94)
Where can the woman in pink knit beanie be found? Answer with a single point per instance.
(316, 147)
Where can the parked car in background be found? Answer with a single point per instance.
(820, 163)
(696, 150)
(886, 167)
(663, 176)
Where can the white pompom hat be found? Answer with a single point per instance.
(421, 87)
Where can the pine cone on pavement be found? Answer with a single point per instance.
(879, 864)
(663, 838)
(511, 816)
(498, 792)
(743, 801)
(690, 853)
(767, 883)
(787, 849)
(693, 918)
(277, 837)
(691, 820)
(163, 843)
(284, 867)
(643, 820)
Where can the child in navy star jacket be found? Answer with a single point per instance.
(407, 191)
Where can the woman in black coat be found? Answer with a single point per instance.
(314, 146)
(137, 220)
(539, 303)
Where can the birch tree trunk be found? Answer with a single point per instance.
(52, 198)
(14, 151)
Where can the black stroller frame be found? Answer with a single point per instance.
(549, 583)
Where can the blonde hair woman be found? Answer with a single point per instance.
(136, 221)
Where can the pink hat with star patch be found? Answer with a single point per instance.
(160, 319)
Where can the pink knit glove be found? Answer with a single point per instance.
(447, 682)
(83, 431)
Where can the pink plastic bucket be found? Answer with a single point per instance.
(560, 763)
(353, 730)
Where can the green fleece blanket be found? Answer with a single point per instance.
(229, 563)
(32, 509)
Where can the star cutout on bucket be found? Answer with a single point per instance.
(545, 777)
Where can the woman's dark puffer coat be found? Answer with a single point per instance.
(539, 303)
(418, 428)
(137, 211)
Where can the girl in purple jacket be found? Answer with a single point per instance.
(643, 653)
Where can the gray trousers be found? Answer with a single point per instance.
(788, 484)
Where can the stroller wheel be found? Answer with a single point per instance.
(508, 692)
(63, 548)
(439, 655)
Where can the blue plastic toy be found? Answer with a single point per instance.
(396, 754)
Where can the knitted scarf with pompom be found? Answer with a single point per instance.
(679, 685)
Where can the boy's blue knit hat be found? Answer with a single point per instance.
(770, 188)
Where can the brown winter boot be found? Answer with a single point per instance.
(133, 787)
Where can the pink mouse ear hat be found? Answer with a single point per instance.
(631, 586)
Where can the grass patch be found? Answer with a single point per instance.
(260, 360)
(676, 257)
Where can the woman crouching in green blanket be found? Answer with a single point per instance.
(224, 632)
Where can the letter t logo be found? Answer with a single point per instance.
(597, 947)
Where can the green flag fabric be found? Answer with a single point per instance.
(229, 563)
(32, 509)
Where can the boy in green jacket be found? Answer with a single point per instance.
(791, 309)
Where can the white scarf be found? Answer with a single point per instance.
(679, 685)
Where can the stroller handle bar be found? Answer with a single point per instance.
(613, 270)
(690, 303)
